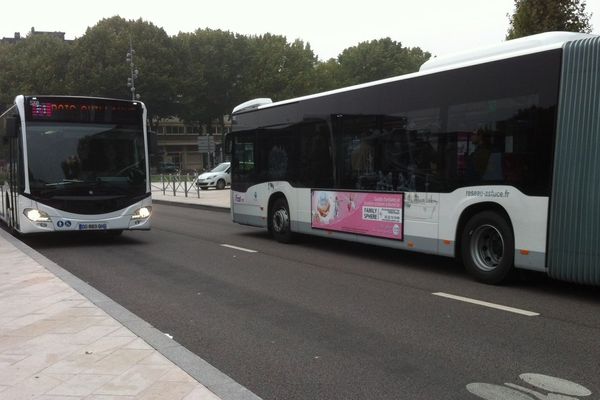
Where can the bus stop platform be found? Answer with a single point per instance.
(62, 339)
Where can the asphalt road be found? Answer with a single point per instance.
(325, 319)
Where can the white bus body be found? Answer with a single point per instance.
(91, 189)
(425, 135)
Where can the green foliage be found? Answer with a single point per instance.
(328, 75)
(210, 75)
(537, 16)
(35, 65)
(198, 77)
(98, 66)
(378, 59)
(223, 69)
(278, 69)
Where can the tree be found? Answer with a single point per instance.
(278, 69)
(536, 16)
(7, 91)
(197, 76)
(98, 66)
(223, 69)
(213, 65)
(34, 66)
(328, 75)
(378, 59)
(298, 70)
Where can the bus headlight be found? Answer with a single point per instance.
(36, 215)
(143, 212)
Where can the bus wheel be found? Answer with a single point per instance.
(279, 221)
(220, 184)
(488, 247)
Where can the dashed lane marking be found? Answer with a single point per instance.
(486, 304)
(239, 248)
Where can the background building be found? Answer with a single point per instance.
(33, 32)
(178, 144)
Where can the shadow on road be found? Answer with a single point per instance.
(76, 239)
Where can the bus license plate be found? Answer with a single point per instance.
(93, 227)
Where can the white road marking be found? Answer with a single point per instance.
(239, 248)
(553, 384)
(486, 304)
(558, 389)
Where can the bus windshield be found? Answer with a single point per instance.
(84, 159)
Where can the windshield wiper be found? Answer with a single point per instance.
(65, 182)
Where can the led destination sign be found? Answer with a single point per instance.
(83, 110)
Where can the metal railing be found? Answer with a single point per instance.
(182, 184)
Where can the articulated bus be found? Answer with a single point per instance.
(74, 164)
(492, 156)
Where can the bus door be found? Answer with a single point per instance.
(9, 170)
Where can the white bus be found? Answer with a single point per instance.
(492, 156)
(74, 164)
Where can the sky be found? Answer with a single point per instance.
(438, 26)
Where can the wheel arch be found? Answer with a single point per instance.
(469, 212)
(272, 199)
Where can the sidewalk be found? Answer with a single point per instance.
(205, 198)
(62, 339)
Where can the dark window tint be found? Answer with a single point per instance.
(299, 154)
(505, 141)
(106, 159)
(4, 153)
(393, 152)
(11, 155)
(243, 170)
(491, 123)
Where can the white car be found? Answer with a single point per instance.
(218, 178)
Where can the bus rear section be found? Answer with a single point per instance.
(75, 164)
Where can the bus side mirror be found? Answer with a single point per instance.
(11, 127)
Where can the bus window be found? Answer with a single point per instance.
(387, 153)
(315, 149)
(243, 167)
(299, 154)
(500, 141)
(357, 145)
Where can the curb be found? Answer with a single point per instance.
(191, 205)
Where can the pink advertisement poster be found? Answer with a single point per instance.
(372, 214)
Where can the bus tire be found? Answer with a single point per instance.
(279, 221)
(488, 248)
(220, 184)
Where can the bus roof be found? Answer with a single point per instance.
(508, 49)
